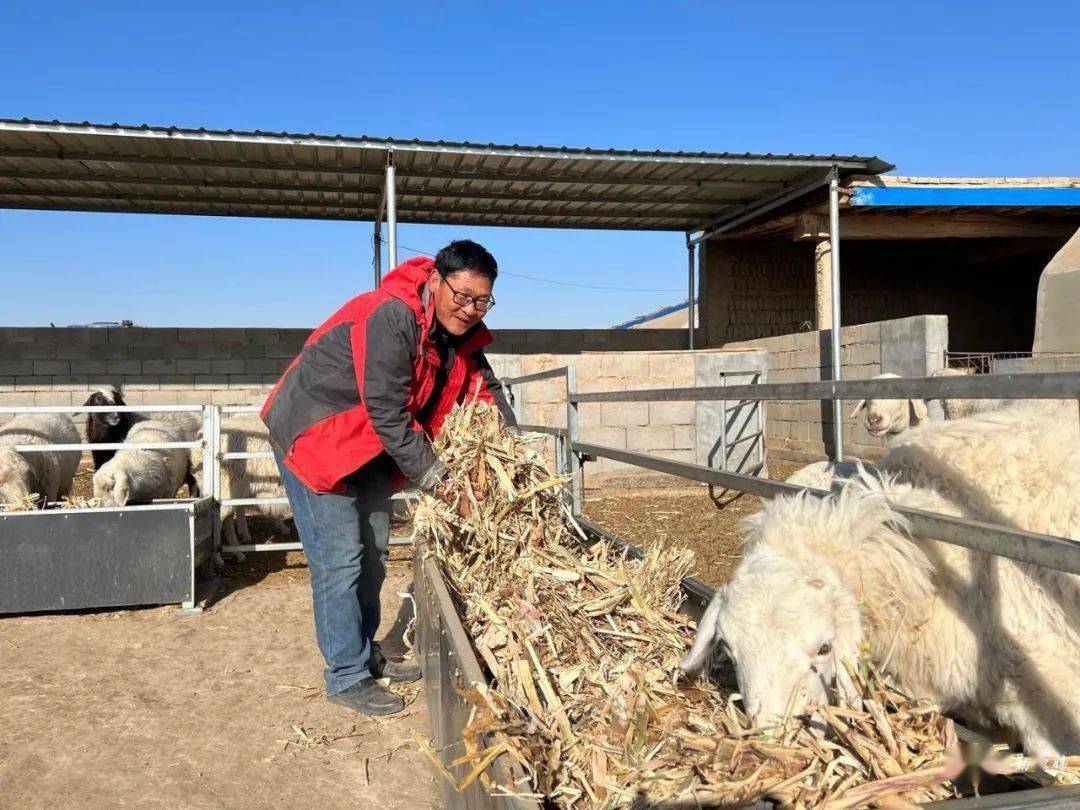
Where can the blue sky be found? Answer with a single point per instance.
(936, 88)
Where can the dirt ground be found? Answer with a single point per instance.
(143, 708)
(225, 709)
(684, 515)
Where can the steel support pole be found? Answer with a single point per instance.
(376, 252)
(573, 434)
(834, 239)
(391, 209)
(690, 251)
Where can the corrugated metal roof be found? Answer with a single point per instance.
(173, 170)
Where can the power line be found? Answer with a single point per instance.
(561, 283)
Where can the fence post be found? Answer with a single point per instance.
(211, 461)
(572, 437)
(723, 427)
(759, 405)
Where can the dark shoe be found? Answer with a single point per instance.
(368, 697)
(397, 671)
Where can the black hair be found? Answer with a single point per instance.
(464, 254)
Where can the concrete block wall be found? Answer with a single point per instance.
(60, 366)
(757, 289)
(663, 429)
(1042, 363)
(681, 431)
(802, 431)
(577, 341)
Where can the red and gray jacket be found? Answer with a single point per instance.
(374, 378)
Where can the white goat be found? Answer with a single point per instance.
(188, 425)
(984, 636)
(891, 416)
(49, 474)
(959, 408)
(953, 409)
(248, 478)
(138, 475)
(822, 474)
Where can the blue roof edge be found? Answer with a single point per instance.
(963, 196)
(649, 316)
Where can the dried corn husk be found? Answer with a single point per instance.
(35, 501)
(583, 645)
(24, 504)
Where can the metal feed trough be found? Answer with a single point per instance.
(451, 665)
(73, 558)
(68, 559)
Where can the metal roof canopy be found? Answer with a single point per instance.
(172, 170)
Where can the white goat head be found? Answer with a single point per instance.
(787, 619)
(14, 475)
(111, 486)
(890, 416)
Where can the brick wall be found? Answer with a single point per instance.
(59, 366)
(45, 366)
(988, 298)
(756, 289)
(987, 287)
(681, 431)
(665, 429)
(576, 341)
(802, 431)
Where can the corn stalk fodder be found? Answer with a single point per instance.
(583, 644)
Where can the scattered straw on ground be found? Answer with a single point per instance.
(583, 644)
(30, 503)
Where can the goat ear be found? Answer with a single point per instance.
(708, 629)
(857, 408)
(918, 409)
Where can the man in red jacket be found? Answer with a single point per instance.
(352, 418)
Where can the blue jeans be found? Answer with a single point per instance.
(346, 539)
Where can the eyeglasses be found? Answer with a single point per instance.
(482, 304)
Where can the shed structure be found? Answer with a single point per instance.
(969, 248)
(176, 170)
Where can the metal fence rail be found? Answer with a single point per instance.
(1058, 553)
(81, 447)
(566, 463)
(550, 431)
(212, 457)
(1047, 385)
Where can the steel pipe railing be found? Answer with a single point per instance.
(1048, 385)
